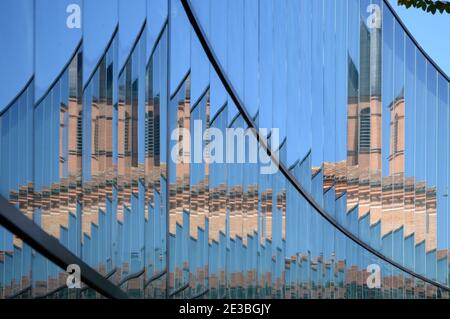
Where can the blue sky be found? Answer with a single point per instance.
(431, 31)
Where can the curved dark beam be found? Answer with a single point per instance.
(19, 293)
(17, 223)
(131, 276)
(201, 294)
(158, 38)
(155, 277)
(50, 294)
(201, 35)
(135, 43)
(78, 49)
(180, 289)
(105, 50)
(18, 95)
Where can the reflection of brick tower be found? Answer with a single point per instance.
(364, 104)
(393, 217)
(364, 134)
(397, 136)
(364, 125)
(352, 115)
(394, 199)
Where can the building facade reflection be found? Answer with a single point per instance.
(104, 165)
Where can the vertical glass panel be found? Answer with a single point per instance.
(218, 217)
(397, 154)
(198, 175)
(410, 114)
(365, 118)
(388, 99)
(251, 54)
(218, 32)
(16, 62)
(420, 164)
(56, 130)
(235, 44)
(431, 164)
(431, 159)
(279, 76)
(199, 63)
(131, 19)
(442, 180)
(99, 176)
(376, 120)
(157, 16)
(293, 130)
(179, 122)
(341, 77)
(353, 82)
(265, 64)
(317, 48)
(131, 204)
(305, 78)
(448, 187)
(180, 40)
(155, 169)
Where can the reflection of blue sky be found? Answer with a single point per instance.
(180, 35)
(156, 16)
(99, 22)
(16, 51)
(131, 17)
(199, 61)
(431, 31)
(54, 41)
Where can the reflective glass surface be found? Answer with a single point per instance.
(142, 146)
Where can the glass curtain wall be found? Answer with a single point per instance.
(149, 171)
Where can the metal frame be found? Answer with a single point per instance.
(16, 222)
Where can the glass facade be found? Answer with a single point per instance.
(101, 151)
